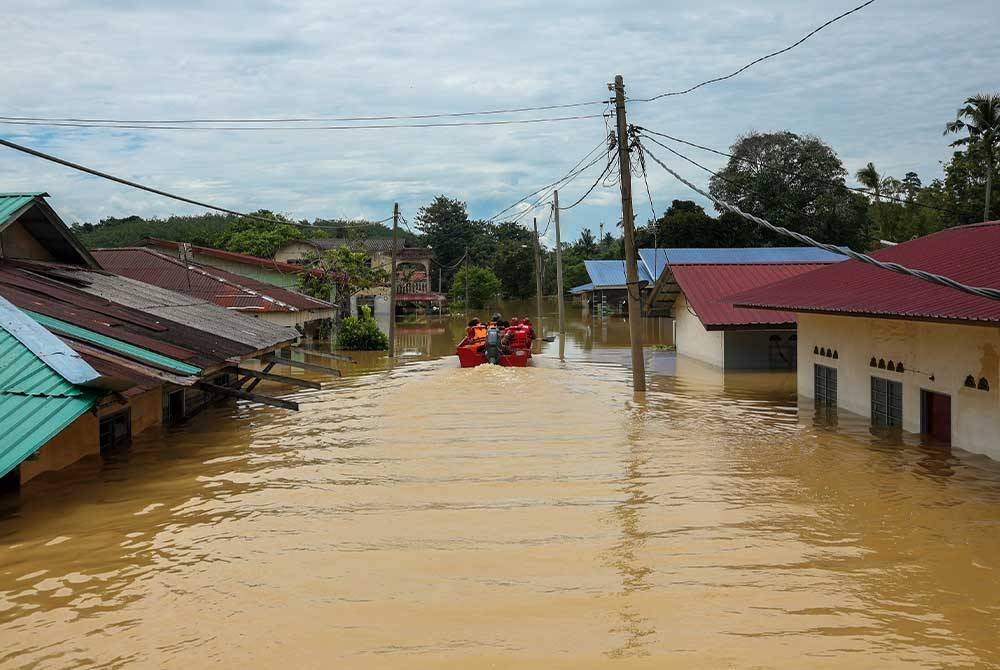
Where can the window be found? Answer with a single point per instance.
(116, 430)
(887, 403)
(825, 385)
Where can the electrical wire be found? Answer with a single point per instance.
(756, 61)
(941, 280)
(799, 175)
(382, 126)
(589, 190)
(318, 119)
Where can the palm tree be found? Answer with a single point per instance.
(869, 177)
(981, 118)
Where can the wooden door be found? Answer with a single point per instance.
(936, 418)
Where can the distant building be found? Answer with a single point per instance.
(693, 287)
(605, 292)
(413, 270)
(902, 351)
(226, 289)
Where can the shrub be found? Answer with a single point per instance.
(361, 333)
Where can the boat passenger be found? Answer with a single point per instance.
(472, 333)
(526, 324)
(518, 335)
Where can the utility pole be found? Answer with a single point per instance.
(439, 279)
(466, 282)
(392, 284)
(538, 275)
(559, 276)
(600, 240)
(628, 223)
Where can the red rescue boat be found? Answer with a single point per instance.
(474, 354)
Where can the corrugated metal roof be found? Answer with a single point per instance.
(660, 258)
(36, 402)
(708, 289)
(10, 203)
(238, 258)
(967, 253)
(611, 274)
(582, 288)
(223, 288)
(46, 346)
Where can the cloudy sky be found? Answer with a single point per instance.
(878, 85)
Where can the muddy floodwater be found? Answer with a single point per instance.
(424, 516)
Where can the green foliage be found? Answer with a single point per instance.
(980, 119)
(347, 272)
(687, 224)
(484, 286)
(130, 231)
(361, 333)
(256, 237)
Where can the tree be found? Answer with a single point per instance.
(446, 227)
(513, 259)
(980, 117)
(258, 238)
(869, 177)
(687, 224)
(484, 286)
(346, 271)
(796, 182)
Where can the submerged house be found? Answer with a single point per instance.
(900, 350)
(694, 286)
(234, 292)
(605, 293)
(154, 356)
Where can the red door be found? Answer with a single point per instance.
(937, 415)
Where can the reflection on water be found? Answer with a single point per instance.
(420, 515)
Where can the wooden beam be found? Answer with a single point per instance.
(246, 395)
(253, 384)
(304, 366)
(293, 381)
(323, 354)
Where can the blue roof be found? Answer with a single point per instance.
(611, 274)
(660, 258)
(582, 288)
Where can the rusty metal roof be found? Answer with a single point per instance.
(966, 253)
(708, 287)
(223, 288)
(238, 258)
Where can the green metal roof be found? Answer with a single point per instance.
(113, 344)
(36, 402)
(12, 202)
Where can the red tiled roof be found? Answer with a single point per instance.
(226, 289)
(708, 287)
(968, 254)
(237, 258)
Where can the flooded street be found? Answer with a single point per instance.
(425, 516)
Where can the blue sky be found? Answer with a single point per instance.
(878, 86)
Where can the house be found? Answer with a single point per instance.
(900, 350)
(413, 270)
(693, 287)
(135, 354)
(605, 292)
(234, 292)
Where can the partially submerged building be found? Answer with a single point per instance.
(234, 292)
(694, 286)
(902, 351)
(158, 356)
(606, 293)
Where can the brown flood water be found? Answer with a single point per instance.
(425, 516)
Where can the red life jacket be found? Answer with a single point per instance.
(519, 337)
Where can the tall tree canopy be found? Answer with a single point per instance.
(796, 182)
(980, 118)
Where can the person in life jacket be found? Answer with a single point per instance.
(518, 335)
(527, 325)
(493, 344)
(470, 333)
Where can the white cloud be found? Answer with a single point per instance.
(877, 86)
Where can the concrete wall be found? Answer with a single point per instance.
(17, 242)
(267, 275)
(293, 251)
(947, 352)
(292, 319)
(691, 338)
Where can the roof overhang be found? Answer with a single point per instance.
(874, 315)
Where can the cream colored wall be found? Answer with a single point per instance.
(691, 338)
(948, 352)
(293, 251)
(292, 319)
(17, 242)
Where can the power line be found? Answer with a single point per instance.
(315, 119)
(589, 190)
(856, 189)
(149, 189)
(383, 126)
(980, 291)
(756, 61)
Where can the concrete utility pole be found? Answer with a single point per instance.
(628, 223)
(538, 275)
(466, 281)
(559, 277)
(392, 283)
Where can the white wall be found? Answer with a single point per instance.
(754, 350)
(691, 338)
(947, 352)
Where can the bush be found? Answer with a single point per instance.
(361, 334)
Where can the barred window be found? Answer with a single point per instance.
(825, 385)
(887, 402)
